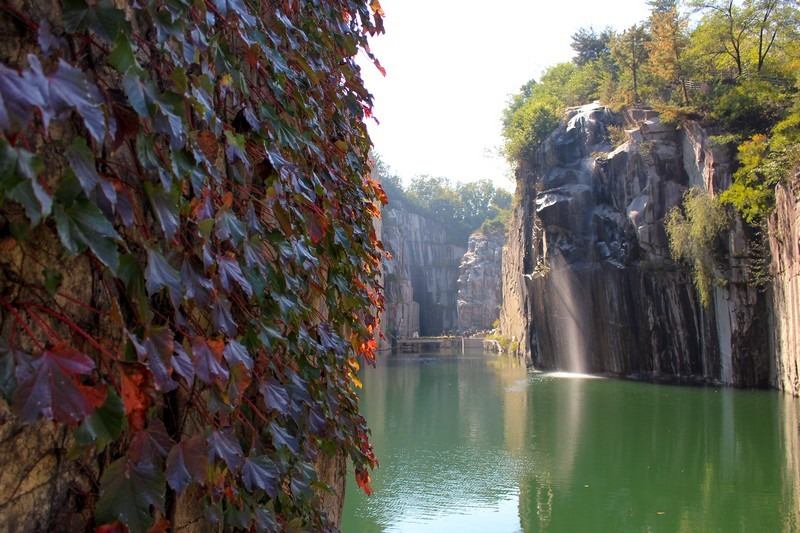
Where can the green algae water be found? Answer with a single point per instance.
(474, 443)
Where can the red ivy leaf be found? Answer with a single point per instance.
(116, 527)
(136, 397)
(317, 227)
(363, 480)
(48, 387)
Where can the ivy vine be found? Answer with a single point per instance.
(209, 159)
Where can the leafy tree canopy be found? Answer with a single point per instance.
(460, 208)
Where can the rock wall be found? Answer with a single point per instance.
(480, 282)
(784, 243)
(588, 269)
(420, 280)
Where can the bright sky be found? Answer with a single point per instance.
(451, 66)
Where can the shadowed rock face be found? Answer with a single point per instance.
(420, 279)
(588, 281)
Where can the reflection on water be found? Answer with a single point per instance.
(477, 444)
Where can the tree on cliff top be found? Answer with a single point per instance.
(189, 265)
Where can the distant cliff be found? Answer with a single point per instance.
(479, 282)
(420, 280)
(588, 281)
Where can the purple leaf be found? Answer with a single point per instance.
(150, 445)
(160, 274)
(198, 287)
(187, 462)
(228, 226)
(254, 256)
(236, 353)
(48, 42)
(47, 387)
(275, 395)
(281, 437)
(182, 364)
(19, 97)
(82, 162)
(157, 350)
(208, 361)
(265, 520)
(260, 472)
(229, 270)
(165, 206)
(66, 88)
(222, 445)
(222, 319)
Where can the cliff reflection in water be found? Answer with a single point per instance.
(476, 444)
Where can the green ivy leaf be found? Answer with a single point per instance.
(127, 491)
(122, 56)
(104, 425)
(52, 280)
(228, 226)
(236, 6)
(265, 520)
(103, 19)
(8, 381)
(19, 181)
(83, 225)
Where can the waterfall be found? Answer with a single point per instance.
(571, 321)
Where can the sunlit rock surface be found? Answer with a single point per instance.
(420, 280)
(588, 281)
(784, 236)
(479, 282)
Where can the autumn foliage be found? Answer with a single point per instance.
(189, 264)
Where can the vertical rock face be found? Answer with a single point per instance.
(784, 237)
(479, 282)
(420, 279)
(589, 285)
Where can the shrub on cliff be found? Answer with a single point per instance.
(694, 229)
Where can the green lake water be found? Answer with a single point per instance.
(473, 443)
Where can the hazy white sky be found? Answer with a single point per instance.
(451, 66)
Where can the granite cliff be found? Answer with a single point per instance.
(588, 281)
(420, 278)
(479, 282)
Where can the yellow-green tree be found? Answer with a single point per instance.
(667, 45)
